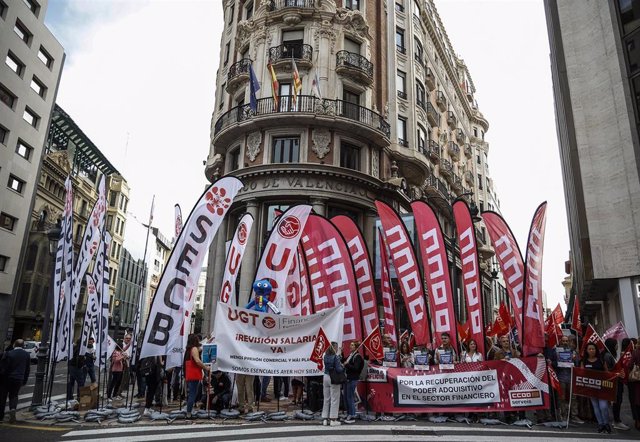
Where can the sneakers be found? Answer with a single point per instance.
(349, 420)
(283, 398)
(147, 412)
(607, 429)
(621, 426)
(335, 423)
(325, 422)
(577, 420)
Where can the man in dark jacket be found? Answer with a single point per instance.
(14, 366)
(221, 394)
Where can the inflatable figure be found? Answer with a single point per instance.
(261, 301)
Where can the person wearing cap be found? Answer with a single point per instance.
(220, 391)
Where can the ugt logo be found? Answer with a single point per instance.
(242, 233)
(289, 227)
(217, 201)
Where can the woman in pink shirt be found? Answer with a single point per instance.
(117, 365)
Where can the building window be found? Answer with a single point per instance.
(24, 150)
(401, 80)
(478, 159)
(3, 262)
(479, 181)
(3, 9)
(109, 222)
(221, 101)
(422, 140)
(33, 6)
(351, 105)
(351, 46)
(7, 97)
(15, 184)
(232, 11)
(30, 117)
(234, 160)
(14, 64)
(113, 198)
(4, 135)
(400, 5)
(420, 95)
(227, 49)
(349, 156)
(44, 57)
(7, 221)
(418, 52)
(273, 212)
(402, 132)
(352, 4)
(22, 32)
(475, 132)
(38, 87)
(248, 11)
(400, 40)
(286, 150)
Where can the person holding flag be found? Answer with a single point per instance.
(562, 361)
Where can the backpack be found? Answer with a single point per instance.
(147, 366)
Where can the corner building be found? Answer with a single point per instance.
(395, 119)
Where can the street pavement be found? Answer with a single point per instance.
(58, 392)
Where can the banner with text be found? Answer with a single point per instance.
(257, 343)
(595, 383)
(513, 385)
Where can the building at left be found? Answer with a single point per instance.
(29, 78)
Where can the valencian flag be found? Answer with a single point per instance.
(362, 267)
(509, 259)
(591, 336)
(297, 82)
(319, 348)
(575, 318)
(470, 273)
(275, 86)
(164, 333)
(404, 261)
(254, 87)
(387, 295)
(234, 259)
(373, 344)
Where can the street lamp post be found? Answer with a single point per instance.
(53, 236)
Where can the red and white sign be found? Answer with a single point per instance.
(234, 258)
(436, 271)
(592, 336)
(388, 302)
(509, 260)
(470, 272)
(533, 326)
(331, 275)
(319, 348)
(362, 268)
(279, 252)
(373, 344)
(406, 265)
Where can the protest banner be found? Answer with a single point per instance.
(595, 383)
(256, 343)
(513, 385)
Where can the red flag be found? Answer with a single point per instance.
(623, 362)
(470, 272)
(510, 261)
(406, 265)
(591, 336)
(305, 294)
(616, 332)
(362, 268)
(331, 275)
(465, 333)
(505, 318)
(575, 319)
(533, 313)
(553, 380)
(373, 344)
(436, 271)
(404, 336)
(489, 331)
(557, 315)
(319, 348)
(387, 296)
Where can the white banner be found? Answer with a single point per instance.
(280, 251)
(257, 343)
(465, 388)
(234, 259)
(166, 330)
(105, 298)
(93, 308)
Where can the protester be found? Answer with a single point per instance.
(387, 342)
(331, 403)
(406, 356)
(592, 360)
(610, 357)
(492, 348)
(90, 360)
(634, 387)
(281, 387)
(506, 351)
(117, 365)
(151, 369)
(126, 364)
(176, 383)
(445, 354)
(245, 392)
(14, 373)
(220, 391)
(77, 371)
(193, 367)
(564, 376)
(353, 366)
(471, 355)
(264, 384)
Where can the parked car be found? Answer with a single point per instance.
(32, 348)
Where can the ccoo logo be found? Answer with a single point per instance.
(289, 227)
(268, 322)
(242, 233)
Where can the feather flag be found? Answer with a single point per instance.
(373, 344)
(387, 295)
(575, 318)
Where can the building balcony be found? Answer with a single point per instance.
(433, 117)
(290, 11)
(430, 79)
(354, 66)
(460, 136)
(468, 151)
(446, 169)
(454, 150)
(456, 184)
(307, 110)
(434, 187)
(452, 121)
(238, 74)
(434, 151)
(281, 55)
(469, 178)
(441, 101)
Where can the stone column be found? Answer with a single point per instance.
(249, 261)
(215, 271)
(319, 206)
(369, 230)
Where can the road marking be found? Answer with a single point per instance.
(33, 427)
(138, 429)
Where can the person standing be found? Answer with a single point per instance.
(77, 371)
(90, 360)
(472, 354)
(14, 369)
(193, 367)
(127, 349)
(331, 402)
(151, 368)
(446, 354)
(634, 387)
(610, 361)
(564, 376)
(245, 392)
(353, 366)
(593, 361)
(117, 365)
(406, 355)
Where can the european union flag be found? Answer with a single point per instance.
(254, 87)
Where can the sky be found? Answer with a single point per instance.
(139, 79)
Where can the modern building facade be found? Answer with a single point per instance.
(159, 251)
(596, 81)
(393, 118)
(29, 78)
(130, 284)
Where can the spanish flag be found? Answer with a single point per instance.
(275, 86)
(297, 83)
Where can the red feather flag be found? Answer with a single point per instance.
(575, 319)
(557, 315)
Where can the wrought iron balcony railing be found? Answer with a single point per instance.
(286, 51)
(239, 68)
(432, 115)
(276, 5)
(355, 61)
(305, 104)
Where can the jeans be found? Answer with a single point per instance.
(264, 384)
(192, 391)
(142, 384)
(601, 410)
(176, 382)
(9, 387)
(350, 398)
(331, 404)
(114, 383)
(91, 371)
(77, 375)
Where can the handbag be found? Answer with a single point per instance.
(337, 377)
(634, 374)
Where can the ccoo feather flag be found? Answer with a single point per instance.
(387, 295)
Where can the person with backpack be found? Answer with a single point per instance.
(332, 380)
(151, 368)
(353, 366)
